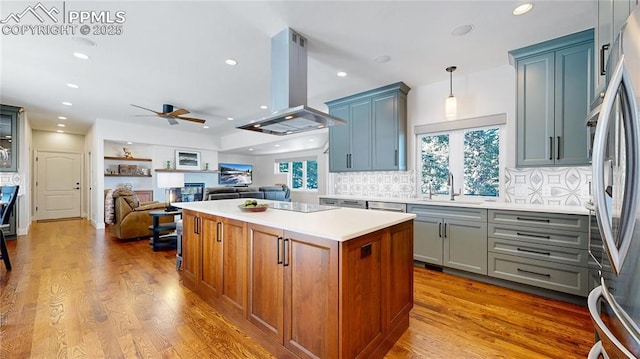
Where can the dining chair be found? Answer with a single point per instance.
(9, 197)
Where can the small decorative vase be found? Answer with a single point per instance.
(206, 166)
(168, 165)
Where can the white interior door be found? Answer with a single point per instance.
(58, 185)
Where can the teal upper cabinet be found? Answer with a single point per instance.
(554, 85)
(612, 14)
(375, 137)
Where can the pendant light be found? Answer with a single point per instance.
(450, 105)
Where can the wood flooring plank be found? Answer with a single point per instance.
(75, 292)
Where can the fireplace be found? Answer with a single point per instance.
(190, 192)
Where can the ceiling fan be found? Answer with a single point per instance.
(171, 115)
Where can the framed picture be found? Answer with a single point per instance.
(187, 160)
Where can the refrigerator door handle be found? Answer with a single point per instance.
(620, 83)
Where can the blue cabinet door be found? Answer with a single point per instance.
(385, 132)
(573, 93)
(535, 110)
(339, 140)
(360, 126)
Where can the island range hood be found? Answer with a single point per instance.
(289, 90)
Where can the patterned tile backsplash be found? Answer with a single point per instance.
(376, 184)
(568, 186)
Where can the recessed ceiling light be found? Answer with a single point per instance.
(523, 9)
(264, 107)
(231, 62)
(311, 140)
(61, 125)
(67, 103)
(288, 117)
(462, 30)
(277, 145)
(205, 126)
(84, 41)
(289, 132)
(81, 56)
(320, 126)
(256, 125)
(61, 118)
(73, 86)
(60, 131)
(341, 74)
(251, 149)
(382, 59)
(230, 118)
(129, 143)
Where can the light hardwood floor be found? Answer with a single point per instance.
(75, 292)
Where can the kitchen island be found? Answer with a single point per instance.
(324, 283)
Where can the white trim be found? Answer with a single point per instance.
(474, 122)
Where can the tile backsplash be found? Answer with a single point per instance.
(568, 186)
(391, 184)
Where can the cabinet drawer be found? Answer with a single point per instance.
(329, 202)
(468, 214)
(556, 237)
(542, 220)
(561, 277)
(352, 203)
(570, 256)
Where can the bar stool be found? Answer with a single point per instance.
(9, 197)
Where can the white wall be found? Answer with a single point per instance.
(264, 172)
(478, 94)
(25, 151)
(163, 143)
(59, 142)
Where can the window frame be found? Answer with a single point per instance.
(289, 174)
(456, 162)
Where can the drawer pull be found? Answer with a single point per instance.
(532, 251)
(533, 235)
(536, 273)
(544, 220)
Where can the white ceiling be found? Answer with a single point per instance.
(174, 52)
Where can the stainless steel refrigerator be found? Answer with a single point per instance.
(615, 304)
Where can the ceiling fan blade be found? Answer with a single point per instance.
(178, 112)
(144, 108)
(172, 121)
(197, 120)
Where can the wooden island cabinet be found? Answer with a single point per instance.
(298, 293)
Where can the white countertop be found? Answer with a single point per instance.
(470, 204)
(340, 224)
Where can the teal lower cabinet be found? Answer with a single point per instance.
(528, 248)
(452, 237)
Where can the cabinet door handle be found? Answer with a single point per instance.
(532, 272)
(278, 259)
(285, 247)
(196, 230)
(558, 149)
(551, 148)
(440, 230)
(545, 220)
(532, 251)
(603, 48)
(445, 230)
(219, 231)
(395, 158)
(533, 235)
(347, 158)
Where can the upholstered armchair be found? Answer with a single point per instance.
(131, 218)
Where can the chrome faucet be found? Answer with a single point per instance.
(452, 194)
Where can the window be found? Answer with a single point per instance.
(301, 175)
(472, 156)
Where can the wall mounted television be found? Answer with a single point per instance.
(234, 174)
